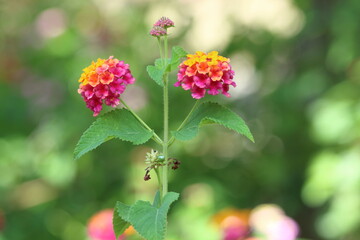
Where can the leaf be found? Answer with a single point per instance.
(120, 218)
(150, 221)
(119, 124)
(161, 64)
(156, 74)
(176, 54)
(208, 113)
(123, 210)
(179, 52)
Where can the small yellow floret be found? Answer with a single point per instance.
(90, 70)
(211, 58)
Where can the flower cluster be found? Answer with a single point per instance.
(104, 81)
(160, 27)
(203, 72)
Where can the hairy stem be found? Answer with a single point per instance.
(158, 175)
(166, 128)
(155, 137)
(161, 52)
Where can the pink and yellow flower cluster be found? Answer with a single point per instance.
(103, 82)
(201, 73)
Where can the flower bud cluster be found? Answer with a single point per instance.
(164, 22)
(155, 160)
(158, 32)
(160, 27)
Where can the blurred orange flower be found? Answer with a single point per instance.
(233, 223)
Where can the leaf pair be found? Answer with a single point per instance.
(162, 66)
(123, 125)
(149, 220)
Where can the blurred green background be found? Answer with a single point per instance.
(298, 73)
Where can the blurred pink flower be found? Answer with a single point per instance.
(100, 226)
(283, 229)
(234, 233)
(271, 221)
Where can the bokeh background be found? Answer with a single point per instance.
(298, 73)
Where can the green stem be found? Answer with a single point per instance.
(158, 175)
(166, 128)
(166, 47)
(155, 137)
(160, 48)
(172, 139)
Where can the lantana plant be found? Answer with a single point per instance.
(105, 80)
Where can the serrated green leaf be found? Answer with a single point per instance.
(176, 54)
(179, 52)
(120, 218)
(161, 64)
(123, 210)
(208, 113)
(156, 74)
(150, 221)
(119, 124)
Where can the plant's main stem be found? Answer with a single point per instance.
(164, 177)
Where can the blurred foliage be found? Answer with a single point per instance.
(298, 73)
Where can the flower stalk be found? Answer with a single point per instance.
(164, 178)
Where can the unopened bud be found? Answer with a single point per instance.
(164, 22)
(147, 175)
(175, 163)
